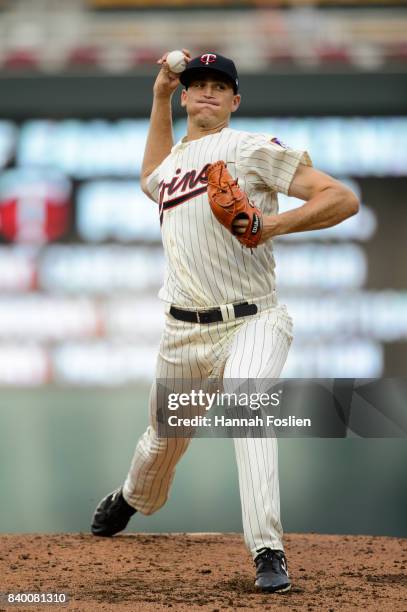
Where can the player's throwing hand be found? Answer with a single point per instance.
(167, 82)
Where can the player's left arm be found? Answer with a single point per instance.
(327, 203)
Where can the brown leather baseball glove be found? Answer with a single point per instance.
(228, 203)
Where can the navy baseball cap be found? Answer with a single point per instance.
(213, 62)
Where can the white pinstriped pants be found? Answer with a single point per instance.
(249, 347)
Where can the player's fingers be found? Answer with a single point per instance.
(162, 58)
(239, 226)
(166, 69)
(187, 54)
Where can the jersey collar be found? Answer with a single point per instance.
(181, 144)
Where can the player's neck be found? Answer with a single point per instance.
(194, 132)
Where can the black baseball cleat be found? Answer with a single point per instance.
(271, 571)
(112, 515)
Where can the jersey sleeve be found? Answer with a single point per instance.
(153, 184)
(269, 162)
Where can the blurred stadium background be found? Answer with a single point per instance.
(81, 259)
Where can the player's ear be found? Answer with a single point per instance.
(236, 102)
(184, 97)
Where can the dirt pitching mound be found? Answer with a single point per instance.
(203, 572)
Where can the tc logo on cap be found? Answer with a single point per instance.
(208, 58)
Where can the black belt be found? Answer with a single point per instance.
(213, 315)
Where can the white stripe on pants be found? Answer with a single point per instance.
(255, 347)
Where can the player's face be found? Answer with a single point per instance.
(209, 101)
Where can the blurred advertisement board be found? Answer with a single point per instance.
(81, 260)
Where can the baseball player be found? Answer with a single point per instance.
(222, 314)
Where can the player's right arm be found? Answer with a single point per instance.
(160, 139)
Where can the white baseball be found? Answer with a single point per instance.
(176, 61)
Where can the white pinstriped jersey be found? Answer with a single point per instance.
(206, 266)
